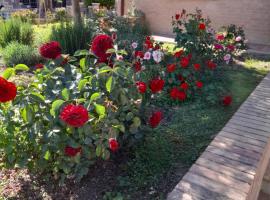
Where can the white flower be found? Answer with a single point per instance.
(147, 56)
(134, 45)
(157, 56)
(227, 58)
(119, 57)
(238, 38)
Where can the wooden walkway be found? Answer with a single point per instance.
(233, 165)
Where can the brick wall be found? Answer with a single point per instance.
(253, 15)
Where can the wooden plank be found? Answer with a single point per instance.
(233, 129)
(235, 149)
(243, 138)
(251, 121)
(246, 112)
(233, 172)
(250, 130)
(256, 186)
(196, 191)
(252, 117)
(214, 186)
(239, 143)
(257, 106)
(253, 111)
(220, 178)
(253, 126)
(258, 102)
(177, 194)
(233, 156)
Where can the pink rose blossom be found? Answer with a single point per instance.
(147, 56)
(134, 45)
(238, 38)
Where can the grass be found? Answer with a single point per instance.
(170, 150)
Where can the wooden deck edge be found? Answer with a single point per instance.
(257, 183)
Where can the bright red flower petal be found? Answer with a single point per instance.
(141, 86)
(8, 90)
(155, 119)
(227, 100)
(75, 116)
(71, 152)
(50, 50)
(156, 85)
(113, 144)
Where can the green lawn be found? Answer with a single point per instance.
(169, 151)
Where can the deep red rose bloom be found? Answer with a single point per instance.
(137, 66)
(177, 16)
(199, 84)
(180, 77)
(75, 116)
(39, 66)
(218, 46)
(184, 62)
(50, 50)
(178, 54)
(148, 38)
(156, 85)
(156, 47)
(8, 90)
(181, 96)
(202, 26)
(148, 44)
(155, 119)
(197, 66)
(174, 93)
(227, 100)
(100, 45)
(70, 151)
(220, 37)
(113, 144)
(184, 86)
(171, 68)
(211, 64)
(141, 86)
(139, 54)
(230, 47)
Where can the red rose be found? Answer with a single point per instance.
(184, 86)
(174, 93)
(181, 96)
(113, 144)
(137, 66)
(141, 86)
(71, 152)
(75, 116)
(100, 45)
(202, 26)
(230, 47)
(156, 85)
(50, 50)
(8, 90)
(227, 100)
(177, 16)
(211, 64)
(178, 54)
(155, 119)
(139, 54)
(184, 62)
(148, 43)
(220, 37)
(199, 84)
(171, 68)
(157, 47)
(197, 66)
(39, 66)
(148, 38)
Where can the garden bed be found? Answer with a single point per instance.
(156, 165)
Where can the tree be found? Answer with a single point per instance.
(76, 13)
(44, 6)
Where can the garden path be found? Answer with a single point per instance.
(234, 164)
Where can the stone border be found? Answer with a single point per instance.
(233, 165)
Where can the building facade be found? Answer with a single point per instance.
(253, 15)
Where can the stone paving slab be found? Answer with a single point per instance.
(233, 165)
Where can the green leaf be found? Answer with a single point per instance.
(37, 96)
(82, 63)
(105, 70)
(94, 96)
(82, 53)
(8, 73)
(98, 150)
(101, 110)
(109, 84)
(110, 51)
(55, 106)
(122, 52)
(28, 114)
(47, 155)
(65, 94)
(21, 67)
(105, 154)
(82, 83)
